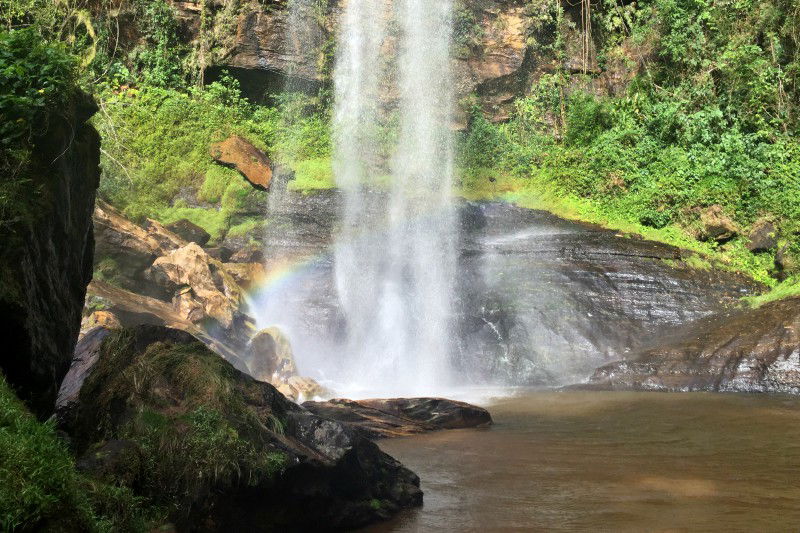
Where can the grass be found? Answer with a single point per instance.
(40, 488)
(786, 289)
(312, 174)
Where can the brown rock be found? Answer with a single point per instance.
(215, 289)
(238, 153)
(165, 237)
(102, 318)
(247, 275)
(399, 417)
(220, 253)
(250, 254)
(763, 237)
(752, 350)
(131, 309)
(717, 226)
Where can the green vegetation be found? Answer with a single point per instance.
(35, 78)
(40, 488)
(711, 117)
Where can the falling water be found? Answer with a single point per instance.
(394, 256)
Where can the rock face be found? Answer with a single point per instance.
(48, 262)
(540, 300)
(401, 417)
(753, 350)
(162, 414)
(238, 153)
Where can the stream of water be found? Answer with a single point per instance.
(588, 461)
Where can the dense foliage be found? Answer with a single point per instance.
(710, 118)
(36, 78)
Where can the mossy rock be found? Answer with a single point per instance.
(162, 414)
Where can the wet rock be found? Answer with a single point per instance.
(158, 404)
(46, 261)
(238, 153)
(301, 388)
(763, 237)
(248, 254)
(189, 231)
(220, 253)
(247, 275)
(399, 417)
(269, 356)
(717, 226)
(752, 350)
(539, 300)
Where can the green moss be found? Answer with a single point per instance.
(313, 174)
(245, 227)
(186, 408)
(214, 221)
(217, 179)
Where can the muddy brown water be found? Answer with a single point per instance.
(611, 461)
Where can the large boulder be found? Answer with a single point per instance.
(209, 284)
(400, 417)
(46, 259)
(752, 350)
(125, 250)
(763, 237)
(269, 356)
(238, 153)
(163, 415)
(113, 307)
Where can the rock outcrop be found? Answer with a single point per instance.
(162, 414)
(502, 48)
(752, 350)
(47, 261)
(401, 417)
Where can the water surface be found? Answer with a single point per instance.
(605, 461)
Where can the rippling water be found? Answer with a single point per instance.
(603, 461)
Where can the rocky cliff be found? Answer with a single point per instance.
(48, 262)
(501, 47)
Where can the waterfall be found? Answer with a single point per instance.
(395, 252)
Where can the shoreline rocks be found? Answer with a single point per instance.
(751, 350)
(401, 417)
(217, 447)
